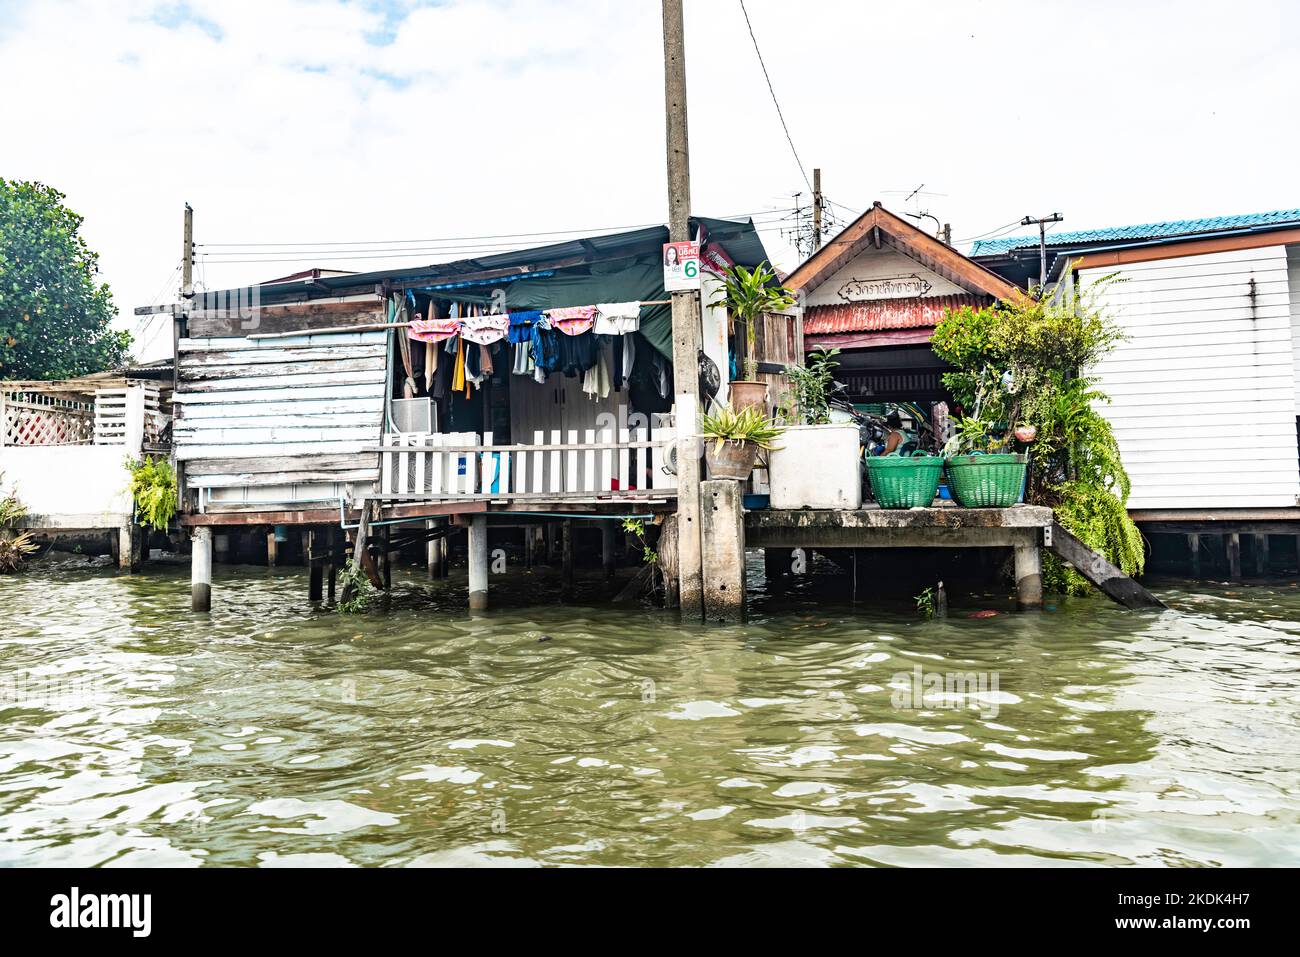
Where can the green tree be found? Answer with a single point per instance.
(54, 313)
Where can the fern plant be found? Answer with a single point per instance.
(153, 490)
(14, 547)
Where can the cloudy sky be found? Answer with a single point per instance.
(292, 122)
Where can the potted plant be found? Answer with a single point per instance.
(736, 438)
(748, 294)
(983, 471)
(818, 464)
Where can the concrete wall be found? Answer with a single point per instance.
(69, 486)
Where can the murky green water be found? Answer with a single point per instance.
(133, 733)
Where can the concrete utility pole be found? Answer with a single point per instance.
(817, 210)
(1042, 242)
(686, 318)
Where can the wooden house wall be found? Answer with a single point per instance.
(1203, 391)
(271, 412)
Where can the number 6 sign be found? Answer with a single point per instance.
(681, 266)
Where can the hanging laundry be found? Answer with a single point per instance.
(458, 377)
(617, 318)
(577, 353)
(629, 358)
(545, 351)
(484, 330)
(433, 330)
(523, 364)
(572, 320)
(596, 382)
(485, 360)
(521, 325)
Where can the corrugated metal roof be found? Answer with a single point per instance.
(882, 314)
(1175, 228)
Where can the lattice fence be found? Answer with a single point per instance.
(31, 418)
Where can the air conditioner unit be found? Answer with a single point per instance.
(414, 415)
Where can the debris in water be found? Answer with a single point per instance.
(545, 638)
(986, 613)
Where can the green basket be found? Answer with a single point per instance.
(904, 482)
(987, 481)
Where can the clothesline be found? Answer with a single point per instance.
(375, 326)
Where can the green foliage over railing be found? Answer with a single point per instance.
(153, 490)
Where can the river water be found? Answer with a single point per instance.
(132, 733)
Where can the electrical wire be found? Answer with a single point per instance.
(779, 114)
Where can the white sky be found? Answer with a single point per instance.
(290, 121)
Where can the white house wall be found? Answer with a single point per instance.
(882, 263)
(1204, 389)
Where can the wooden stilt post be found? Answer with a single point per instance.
(548, 551)
(478, 563)
(331, 567)
(607, 532)
(387, 559)
(315, 566)
(530, 540)
(201, 569)
(1029, 577)
(270, 548)
(1261, 556)
(433, 551)
(1233, 547)
(566, 559)
(722, 535)
(1194, 554)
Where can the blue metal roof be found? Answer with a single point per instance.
(1180, 227)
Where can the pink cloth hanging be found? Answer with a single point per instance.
(572, 320)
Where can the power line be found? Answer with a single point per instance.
(779, 114)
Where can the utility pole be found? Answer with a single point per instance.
(686, 320)
(1042, 243)
(817, 210)
(946, 235)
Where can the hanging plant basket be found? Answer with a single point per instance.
(904, 482)
(987, 481)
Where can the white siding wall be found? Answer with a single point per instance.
(1204, 390)
(1293, 284)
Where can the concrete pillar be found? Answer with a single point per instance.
(130, 545)
(201, 569)
(607, 538)
(220, 547)
(1232, 545)
(478, 562)
(722, 538)
(1029, 577)
(1194, 552)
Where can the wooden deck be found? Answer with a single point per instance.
(873, 527)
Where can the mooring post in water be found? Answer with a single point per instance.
(478, 563)
(201, 569)
(1029, 577)
(1194, 554)
(1261, 555)
(607, 548)
(940, 602)
(129, 547)
(1232, 545)
(270, 548)
(722, 537)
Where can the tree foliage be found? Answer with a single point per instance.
(54, 313)
(1026, 364)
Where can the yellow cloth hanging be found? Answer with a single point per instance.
(458, 373)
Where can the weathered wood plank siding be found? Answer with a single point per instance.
(1204, 389)
(270, 412)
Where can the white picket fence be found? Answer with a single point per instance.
(121, 413)
(556, 466)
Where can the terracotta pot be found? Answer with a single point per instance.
(745, 395)
(735, 460)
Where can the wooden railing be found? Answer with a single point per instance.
(32, 418)
(555, 467)
(115, 410)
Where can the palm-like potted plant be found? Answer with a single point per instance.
(748, 294)
(733, 438)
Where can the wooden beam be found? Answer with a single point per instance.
(1093, 566)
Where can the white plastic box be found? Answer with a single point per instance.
(816, 467)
